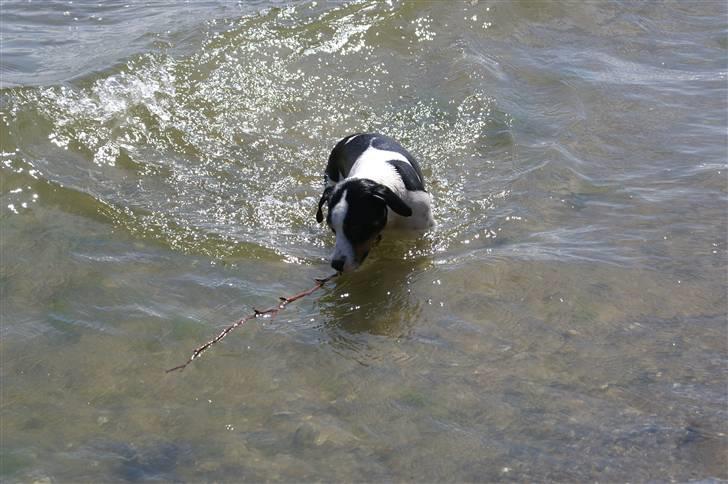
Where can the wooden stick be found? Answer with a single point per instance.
(272, 311)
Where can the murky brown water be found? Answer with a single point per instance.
(566, 321)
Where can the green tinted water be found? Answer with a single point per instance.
(565, 321)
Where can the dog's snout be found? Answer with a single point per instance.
(338, 264)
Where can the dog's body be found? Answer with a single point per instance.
(372, 182)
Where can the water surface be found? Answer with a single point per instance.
(565, 321)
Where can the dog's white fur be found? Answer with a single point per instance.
(343, 249)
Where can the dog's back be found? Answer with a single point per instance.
(354, 151)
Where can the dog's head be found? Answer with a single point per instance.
(357, 215)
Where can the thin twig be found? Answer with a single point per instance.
(272, 311)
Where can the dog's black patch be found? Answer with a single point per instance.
(412, 181)
(367, 213)
(344, 155)
(367, 203)
(324, 199)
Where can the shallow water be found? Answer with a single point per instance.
(565, 321)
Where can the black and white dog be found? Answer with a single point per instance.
(372, 182)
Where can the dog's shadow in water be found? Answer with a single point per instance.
(378, 298)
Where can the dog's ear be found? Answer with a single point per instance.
(324, 199)
(394, 201)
